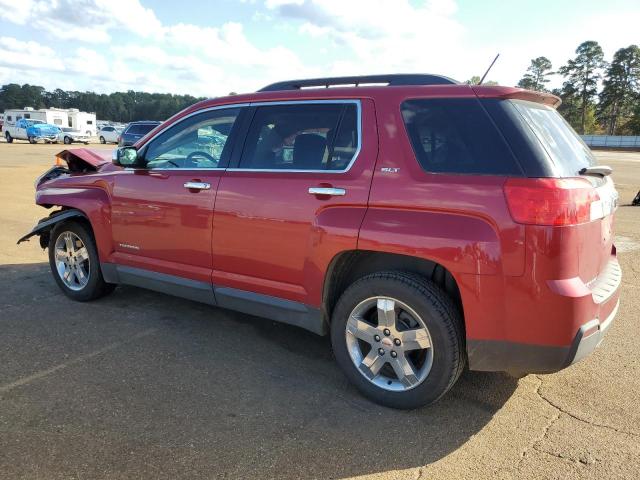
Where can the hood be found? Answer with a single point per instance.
(43, 129)
(80, 161)
(84, 159)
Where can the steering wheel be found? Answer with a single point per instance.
(190, 158)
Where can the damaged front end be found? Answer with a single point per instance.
(46, 224)
(68, 164)
(76, 161)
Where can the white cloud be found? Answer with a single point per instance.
(382, 35)
(107, 45)
(16, 12)
(28, 55)
(89, 21)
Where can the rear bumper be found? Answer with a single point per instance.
(589, 336)
(567, 324)
(522, 358)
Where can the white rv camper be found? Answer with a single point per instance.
(53, 116)
(82, 121)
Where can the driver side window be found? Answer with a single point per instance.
(199, 141)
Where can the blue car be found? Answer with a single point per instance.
(32, 130)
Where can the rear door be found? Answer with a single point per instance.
(293, 198)
(162, 214)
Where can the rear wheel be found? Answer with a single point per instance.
(74, 262)
(398, 338)
(8, 137)
(102, 140)
(32, 140)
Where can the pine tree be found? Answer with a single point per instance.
(536, 76)
(583, 74)
(620, 89)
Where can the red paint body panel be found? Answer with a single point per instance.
(263, 232)
(160, 225)
(272, 237)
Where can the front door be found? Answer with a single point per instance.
(294, 198)
(162, 214)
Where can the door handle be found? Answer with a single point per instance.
(334, 192)
(197, 185)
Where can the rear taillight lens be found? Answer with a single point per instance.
(550, 201)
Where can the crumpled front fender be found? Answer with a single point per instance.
(46, 224)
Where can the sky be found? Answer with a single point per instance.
(210, 48)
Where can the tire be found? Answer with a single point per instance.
(414, 302)
(8, 137)
(102, 140)
(93, 286)
(67, 140)
(32, 140)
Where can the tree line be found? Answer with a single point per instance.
(118, 106)
(597, 96)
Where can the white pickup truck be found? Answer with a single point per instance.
(31, 130)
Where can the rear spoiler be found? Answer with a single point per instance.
(483, 91)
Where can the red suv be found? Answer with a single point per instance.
(424, 224)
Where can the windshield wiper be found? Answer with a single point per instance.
(602, 170)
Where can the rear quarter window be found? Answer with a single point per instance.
(455, 135)
(566, 150)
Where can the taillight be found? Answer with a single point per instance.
(550, 201)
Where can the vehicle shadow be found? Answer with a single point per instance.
(204, 392)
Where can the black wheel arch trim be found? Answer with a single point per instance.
(46, 224)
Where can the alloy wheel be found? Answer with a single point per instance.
(72, 261)
(389, 343)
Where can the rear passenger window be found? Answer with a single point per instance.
(456, 136)
(306, 136)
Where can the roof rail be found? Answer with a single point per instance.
(389, 80)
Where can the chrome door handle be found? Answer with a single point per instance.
(197, 185)
(334, 192)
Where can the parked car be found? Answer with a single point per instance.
(110, 134)
(135, 131)
(69, 135)
(31, 130)
(424, 225)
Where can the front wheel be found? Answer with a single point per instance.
(32, 140)
(8, 137)
(398, 338)
(67, 140)
(74, 262)
(102, 140)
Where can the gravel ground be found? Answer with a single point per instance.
(141, 385)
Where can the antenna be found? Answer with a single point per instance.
(487, 72)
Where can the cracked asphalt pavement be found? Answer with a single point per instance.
(141, 385)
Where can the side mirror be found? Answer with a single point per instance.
(126, 157)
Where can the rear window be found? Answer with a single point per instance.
(562, 144)
(455, 135)
(141, 128)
